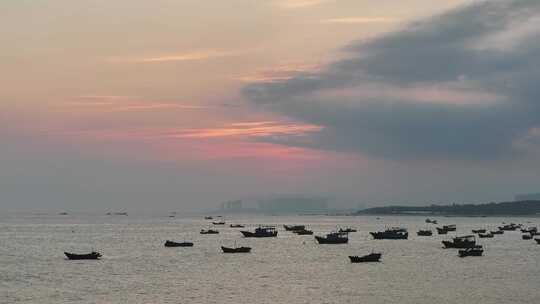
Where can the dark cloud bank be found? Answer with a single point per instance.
(481, 60)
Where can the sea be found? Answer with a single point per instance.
(137, 268)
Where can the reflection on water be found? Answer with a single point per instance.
(137, 268)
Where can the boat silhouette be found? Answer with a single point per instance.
(87, 256)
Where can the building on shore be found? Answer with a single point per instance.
(231, 206)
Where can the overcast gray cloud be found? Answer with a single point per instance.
(462, 85)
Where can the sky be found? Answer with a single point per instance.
(181, 105)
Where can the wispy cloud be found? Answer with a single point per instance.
(353, 20)
(250, 129)
(293, 4)
(106, 103)
(241, 130)
(279, 72)
(183, 56)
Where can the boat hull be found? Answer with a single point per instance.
(175, 244)
(475, 252)
(236, 250)
(294, 227)
(450, 244)
(485, 235)
(89, 256)
(303, 232)
(324, 240)
(209, 232)
(389, 236)
(373, 257)
(259, 235)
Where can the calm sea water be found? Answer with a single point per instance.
(136, 268)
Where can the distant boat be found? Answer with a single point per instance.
(218, 223)
(485, 235)
(208, 218)
(509, 227)
(429, 221)
(526, 236)
(537, 241)
(441, 230)
(497, 232)
(333, 238)
(88, 256)
(175, 244)
(391, 234)
(347, 230)
(479, 231)
(209, 231)
(424, 233)
(466, 241)
(294, 227)
(372, 257)
(530, 230)
(261, 232)
(121, 213)
(236, 226)
(473, 251)
(303, 232)
(236, 249)
(63, 213)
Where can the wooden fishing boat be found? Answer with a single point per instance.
(372, 257)
(235, 249)
(175, 244)
(333, 238)
(88, 256)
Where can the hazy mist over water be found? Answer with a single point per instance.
(136, 268)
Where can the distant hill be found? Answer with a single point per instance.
(528, 197)
(529, 207)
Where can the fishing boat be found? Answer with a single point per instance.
(391, 234)
(473, 251)
(479, 231)
(208, 218)
(429, 221)
(218, 223)
(509, 227)
(175, 244)
(347, 230)
(88, 256)
(236, 250)
(372, 257)
(209, 231)
(497, 232)
(441, 230)
(485, 235)
(303, 232)
(294, 227)
(526, 236)
(532, 230)
(465, 241)
(236, 226)
(260, 232)
(333, 238)
(424, 233)
(537, 241)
